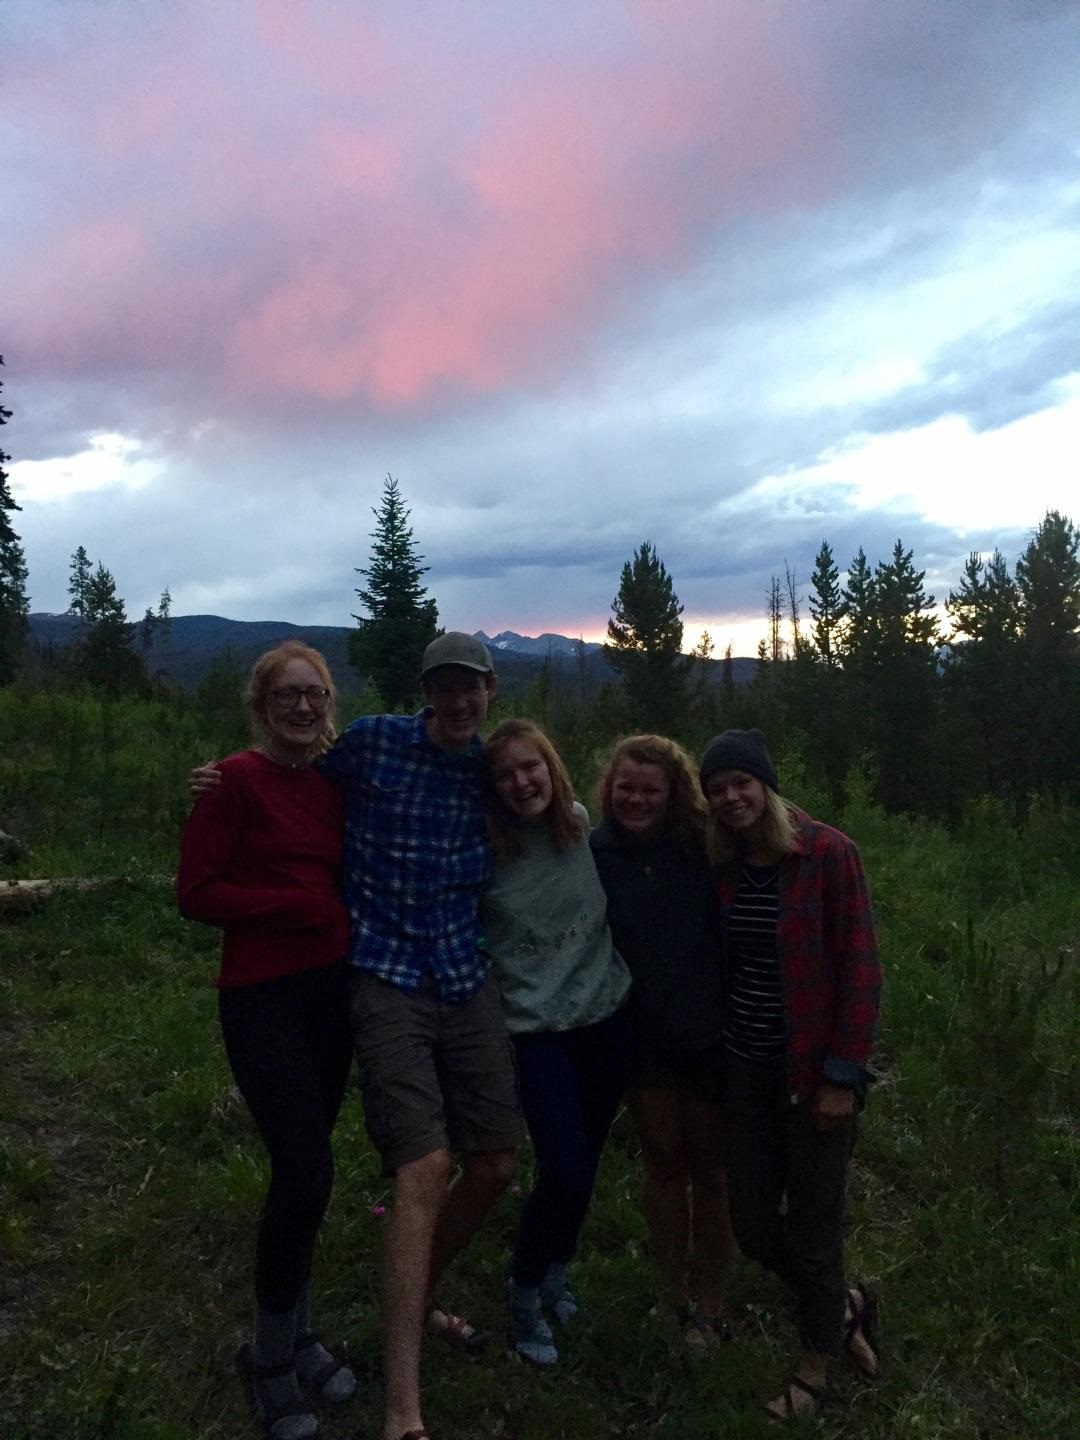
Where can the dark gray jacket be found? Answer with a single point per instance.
(665, 921)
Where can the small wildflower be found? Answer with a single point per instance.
(378, 1210)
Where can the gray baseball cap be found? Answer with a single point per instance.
(457, 648)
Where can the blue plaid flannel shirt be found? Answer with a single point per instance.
(416, 853)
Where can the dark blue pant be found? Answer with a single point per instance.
(786, 1192)
(289, 1046)
(571, 1084)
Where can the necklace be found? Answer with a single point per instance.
(285, 764)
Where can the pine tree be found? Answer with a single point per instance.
(14, 601)
(104, 657)
(776, 620)
(705, 702)
(645, 644)
(828, 607)
(1048, 584)
(401, 620)
(859, 641)
(903, 700)
(727, 684)
(982, 681)
(81, 570)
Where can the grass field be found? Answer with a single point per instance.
(130, 1181)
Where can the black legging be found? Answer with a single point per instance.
(571, 1082)
(289, 1048)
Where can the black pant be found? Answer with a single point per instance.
(289, 1048)
(571, 1083)
(774, 1152)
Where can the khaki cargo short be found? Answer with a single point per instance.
(433, 1075)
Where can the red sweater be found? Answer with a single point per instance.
(261, 857)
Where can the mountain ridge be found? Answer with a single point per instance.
(195, 640)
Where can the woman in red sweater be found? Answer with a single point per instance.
(261, 858)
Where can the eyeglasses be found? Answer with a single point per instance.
(288, 696)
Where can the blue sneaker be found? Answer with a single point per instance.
(530, 1333)
(556, 1296)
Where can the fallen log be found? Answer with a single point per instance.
(25, 894)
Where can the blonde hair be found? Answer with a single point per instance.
(265, 674)
(775, 831)
(504, 830)
(687, 811)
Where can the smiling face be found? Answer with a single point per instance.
(639, 797)
(735, 798)
(521, 779)
(295, 716)
(459, 699)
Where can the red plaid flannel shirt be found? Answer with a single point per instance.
(829, 966)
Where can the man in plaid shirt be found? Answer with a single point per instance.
(435, 1060)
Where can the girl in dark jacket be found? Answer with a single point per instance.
(650, 854)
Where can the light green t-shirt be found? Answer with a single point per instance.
(545, 927)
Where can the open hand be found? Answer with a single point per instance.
(203, 778)
(831, 1104)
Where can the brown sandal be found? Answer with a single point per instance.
(791, 1410)
(455, 1331)
(862, 1321)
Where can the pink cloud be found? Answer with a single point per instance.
(291, 201)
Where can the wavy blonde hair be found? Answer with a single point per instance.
(687, 811)
(776, 830)
(504, 829)
(265, 674)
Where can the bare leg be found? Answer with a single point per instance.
(419, 1194)
(484, 1176)
(665, 1199)
(812, 1370)
(714, 1243)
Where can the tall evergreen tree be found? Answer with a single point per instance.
(645, 644)
(1048, 584)
(776, 620)
(727, 686)
(982, 681)
(859, 642)
(903, 701)
(828, 608)
(14, 601)
(104, 657)
(80, 570)
(401, 621)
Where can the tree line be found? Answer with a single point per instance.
(858, 672)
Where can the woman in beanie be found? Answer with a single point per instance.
(803, 987)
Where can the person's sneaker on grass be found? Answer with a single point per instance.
(530, 1333)
(556, 1296)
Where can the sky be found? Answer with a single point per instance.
(731, 276)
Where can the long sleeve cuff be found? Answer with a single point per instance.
(844, 1072)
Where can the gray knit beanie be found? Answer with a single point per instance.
(739, 750)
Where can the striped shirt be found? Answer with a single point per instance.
(827, 950)
(416, 853)
(754, 1025)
